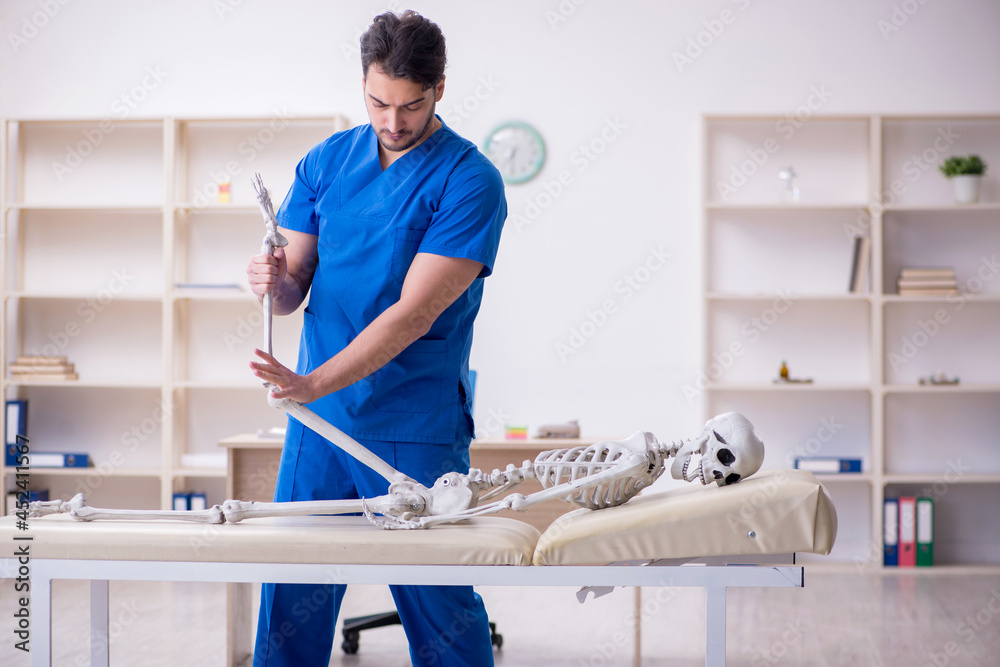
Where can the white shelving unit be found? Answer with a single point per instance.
(776, 289)
(104, 223)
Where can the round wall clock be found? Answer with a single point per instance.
(517, 151)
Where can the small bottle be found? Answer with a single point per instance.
(224, 196)
(783, 373)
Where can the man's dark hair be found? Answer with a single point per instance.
(405, 47)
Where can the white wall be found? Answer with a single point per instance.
(575, 69)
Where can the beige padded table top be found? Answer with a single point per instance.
(314, 539)
(773, 512)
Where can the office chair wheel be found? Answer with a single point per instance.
(350, 643)
(495, 638)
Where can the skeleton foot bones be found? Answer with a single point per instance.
(601, 475)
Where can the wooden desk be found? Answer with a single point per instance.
(252, 469)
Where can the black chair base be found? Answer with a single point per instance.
(354, 626)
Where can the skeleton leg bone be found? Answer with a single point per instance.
(311, 420)
(237, 510)
(77, 508)
(272, 240)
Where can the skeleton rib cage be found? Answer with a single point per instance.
(560, 466)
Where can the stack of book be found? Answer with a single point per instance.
(40, 368)
(927, 282)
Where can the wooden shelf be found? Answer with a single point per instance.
(213, 294)
(729, 296)
(220, 208)
(788, 386)
(949, 300)
(752, 249)
(146, 208)
(252, 383)
(968, 388)
(935, 478)
(777, 206)
(84, 384)
(78, 296)
(945, 208)
(183, 473)
(845, 477)
(137, 207)
(82, 472)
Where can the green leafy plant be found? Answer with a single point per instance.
(959, 166)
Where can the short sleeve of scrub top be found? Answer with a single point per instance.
(457, 228)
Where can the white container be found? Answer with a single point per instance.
(966, 188)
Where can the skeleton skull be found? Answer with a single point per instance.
(729, 451)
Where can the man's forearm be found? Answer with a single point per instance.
(389, 334)
(288, 296)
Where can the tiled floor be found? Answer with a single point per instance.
(838, 619)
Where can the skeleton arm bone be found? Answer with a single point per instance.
(633, 465)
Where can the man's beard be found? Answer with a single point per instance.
(408, 140)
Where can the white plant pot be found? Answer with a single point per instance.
(966, 188)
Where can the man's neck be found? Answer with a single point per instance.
(387, 157)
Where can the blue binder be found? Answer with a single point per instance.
(891, 532)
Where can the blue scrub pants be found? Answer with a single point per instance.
(445, 625)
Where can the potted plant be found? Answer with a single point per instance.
(966, 173)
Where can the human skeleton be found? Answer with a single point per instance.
(604, 474)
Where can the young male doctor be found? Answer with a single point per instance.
(392, 227)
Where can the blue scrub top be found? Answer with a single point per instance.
(442, 197)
